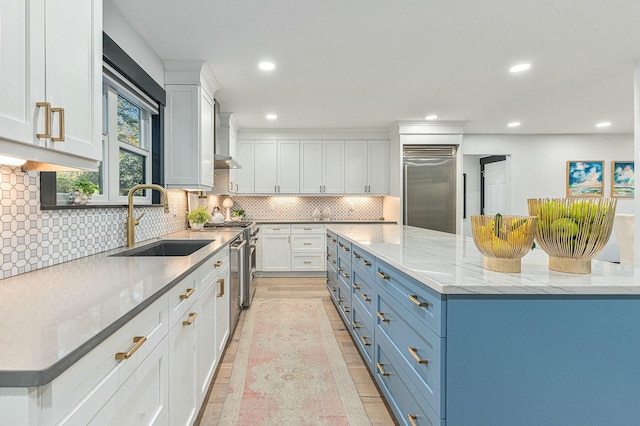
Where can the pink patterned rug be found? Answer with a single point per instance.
(289, 369)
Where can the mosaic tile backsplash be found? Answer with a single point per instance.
(302, 207)
(32, 238)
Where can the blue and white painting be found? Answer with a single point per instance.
(584, 178)
(622, 183)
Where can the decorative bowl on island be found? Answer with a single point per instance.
(572, 231)
(503, 240)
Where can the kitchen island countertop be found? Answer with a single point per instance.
(53, 316)
(451, 264)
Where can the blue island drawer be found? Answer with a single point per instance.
(424, 303)
(344, 270)
(344, 248)
(362, 260)
(332, 263)
(363, 334)
(332, 286)
(363, 288)
(408, 405)
(422, 352)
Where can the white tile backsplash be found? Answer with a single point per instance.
(31, 238)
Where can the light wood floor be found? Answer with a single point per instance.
(303, 288)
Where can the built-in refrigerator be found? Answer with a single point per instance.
(429, 198)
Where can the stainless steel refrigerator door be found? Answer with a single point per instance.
(430, 193)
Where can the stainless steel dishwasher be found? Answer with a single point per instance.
(236, 272)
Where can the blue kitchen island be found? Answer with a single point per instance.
(450, 343)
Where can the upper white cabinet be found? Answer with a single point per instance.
(321, 167)
(242, 179)
(50, 84)
(189, 125)
(276, 167)
(366, 167)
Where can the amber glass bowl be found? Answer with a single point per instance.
(503, 240)
(572, 231)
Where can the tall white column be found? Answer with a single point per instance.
(636, 157)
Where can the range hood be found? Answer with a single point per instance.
(222, 159)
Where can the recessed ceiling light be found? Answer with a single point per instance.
(520, 67)
(271, 116)
(266, 66)
(604, 124)
(431, 117)
(514, 124)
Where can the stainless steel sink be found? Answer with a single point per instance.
(166, 248)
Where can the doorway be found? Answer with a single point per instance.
(494, 185)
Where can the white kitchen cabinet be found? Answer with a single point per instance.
(366, 167)
(189, 126)
(182, 370)
(243, 179)
(223, 311)
(321, 167)
(295, 247)
(276, 167)
(276, 253)
(52, 56)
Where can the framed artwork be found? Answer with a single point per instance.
(622, 179)
(585, 178)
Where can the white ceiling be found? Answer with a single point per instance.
(369, 63)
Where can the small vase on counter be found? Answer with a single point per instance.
(316, 214)
(326, 213)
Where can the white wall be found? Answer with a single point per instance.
(539, 162)
(120, 31)
(471, 167)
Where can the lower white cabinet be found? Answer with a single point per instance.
(292, 247)
(155, 369)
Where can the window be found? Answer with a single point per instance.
(126, 145)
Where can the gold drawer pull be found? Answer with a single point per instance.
(307, 244)
(307, 262)
(218, 264)
(356, 255)
(414, 354)
(382, 317)
(415, 300)
(334, 289)
(365, 263)
(364, 341)
(355, 324)
(381, 370)
(345, 248)
(192, 317)
(365, 297)
(340, 268)
(346, 309)
(221, 291)
(333, 239)
(47, 119)
(340, 299)
(307, 229)
(188, 294)
(275, 229)
(340, 244)
(412, 419)
(333, 261)
(344, 274)
(355, 286)
(61, 132)
(382, 275)
(139, 341)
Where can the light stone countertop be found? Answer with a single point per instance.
(329, 221)
(53, 316)
(451, 264)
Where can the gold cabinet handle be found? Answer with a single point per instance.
(334, 240)
(307, 262)
(340, 299)
(344, 274)
(356, 255)
(414, 354)
(188, 294)
(355, 286)
(306, 229)
(60, 112)
(355, 324)
(334, 289)
(340, 268)
(364, 341)
(379, 365)
(365, 263)
(415, 300)
(307, 244)
(382, 275)
(218, 264)
(221, 291)
(192, 317)
(412, 419)
(346, 309)
(382, 317)
(345, 248)
(139, 341)
(47, 119)
(341, 245)
(365, 297)
(333, 261)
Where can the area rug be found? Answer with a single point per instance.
(289, 369)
